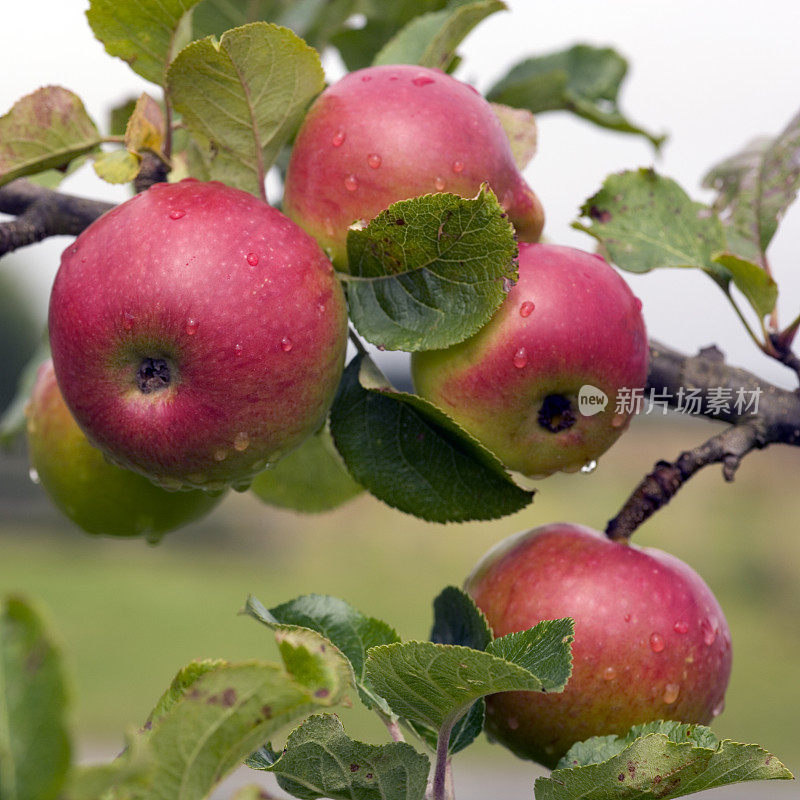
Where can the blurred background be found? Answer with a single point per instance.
(712, 76)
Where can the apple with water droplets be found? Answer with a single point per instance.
(651, 641)
(99, 497)
(197, 334)
(543, 384)
(389, 133)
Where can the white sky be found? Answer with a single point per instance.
(712, 74)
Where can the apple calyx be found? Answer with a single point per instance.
(153, 375)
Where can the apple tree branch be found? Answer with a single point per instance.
(40, 213)
(776, 421)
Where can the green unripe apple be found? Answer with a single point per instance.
(96, 495)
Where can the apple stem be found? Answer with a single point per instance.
(442, 787)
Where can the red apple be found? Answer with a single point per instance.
(197, 334)
(388, 133)
(96, 495)
(651, 641)
(570, 323)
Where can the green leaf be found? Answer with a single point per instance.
(435, 684)
(117, 166)
(430, 40)
(429, 272)
(358, 47)
(457, 620)
(44, 130)
(243, 97)
(225, 711)
(752, 281)
(658, 760)
(12, 420)
(321, 761)
(583, 79)
(313, 20)
(645, 221)
(34, 743)
(755, 188)
(312, 478)
(520, 127)
(412, 456)
(145, 33)
(349, 630)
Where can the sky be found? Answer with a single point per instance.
(712, 75)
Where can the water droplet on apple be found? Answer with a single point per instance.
(366, 78)
(656, 642)
(671, 692)
(220, 455)
(627, 618)
(33, 475)
(681, 627)
(618, 420)
(321, 308)
(252, 259)
(286, 344)
(191, 326)
(374, 160)
(458, 166)
(718, 708)
(351, 183)
(422, 80)
(177, 214)
(526, 309)
(520, 358)
(237, 349)
(338, 138)
(609, 673)
(513, 723)
(439, 184)
(241, 442)
(709, 632)
(127, 321)
(589, 467)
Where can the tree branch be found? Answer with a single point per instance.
(41, 213)
(775, 421)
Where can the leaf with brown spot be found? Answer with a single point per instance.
(44, 130)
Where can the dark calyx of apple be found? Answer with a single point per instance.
(556, 413)
(153, 375)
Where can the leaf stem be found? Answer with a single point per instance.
(441, 789)
(743, 320)
(393, 726)
(354, 338)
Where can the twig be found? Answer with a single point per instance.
(152, 170)
(41, 213)
(776, 420)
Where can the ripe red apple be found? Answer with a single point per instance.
(388, 133)
(98, 496)
(651, 641)
(197, 334)
(570, 323)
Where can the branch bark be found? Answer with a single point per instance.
(672, 374)
(41, 213)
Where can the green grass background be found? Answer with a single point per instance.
(129, 614)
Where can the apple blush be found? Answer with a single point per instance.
(651, 641)
(542, 384)
(388, 133)
(197, 334)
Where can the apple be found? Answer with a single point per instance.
(651, 641)
(538, 385)
(197, 334)
(389, 133)
(96, 495)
